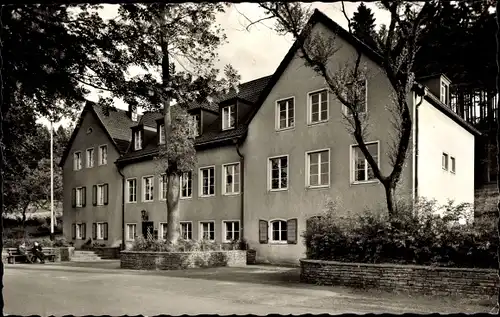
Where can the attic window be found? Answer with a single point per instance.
(161, 133)
(89, 130)
(137, 140)
(228, 117)
(445, 91)
(133, 116)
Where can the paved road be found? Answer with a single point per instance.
(97, 289)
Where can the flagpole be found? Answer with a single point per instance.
(51, 180)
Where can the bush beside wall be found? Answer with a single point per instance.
(470, 283)
(144, 260)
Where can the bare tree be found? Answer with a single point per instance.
(397, 54)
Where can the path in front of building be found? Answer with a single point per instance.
(103, 288)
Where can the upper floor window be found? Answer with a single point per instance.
(361, 171)
(102, 194)
(103, 155)
(231, 178)
(444, 161)
(285, 113)
(79, 197)
(77, 161)
(161, 134)
(318, 168)
(186, 185)
(207, 181)
(444, 92)
(278, 173)
(318, 106)
(452, 161)
(137, 140)
(132, 190)
(147, 188)
(163, 186)
(90, 158)
(356, 90)
(228, 117)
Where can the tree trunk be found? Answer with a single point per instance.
(173, 215)
(389, 197)
(24, 219)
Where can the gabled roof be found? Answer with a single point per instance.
(115, 123)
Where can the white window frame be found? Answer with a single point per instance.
(200, 173)
(224, 230)
(308, 168)
(100, 160)
(180, 228)
(445, 161)
(137, 140)
(345, 109)
(127, 227)
(161, 134)
(270, 232)
(99, 237)
(224, 179)
(182, 182)
(78, 229)
(89, 163)
(309, 106)
(144, 188)
(160, 230)
(445, 92)
(352, 163)
(453, 164)
(269, 173)
(161, 188)
(197, 123)
(79, 197)
(77, 163)
(128, 191)
(200, 236)
(229, 110)
(277, 114)
(100, 195)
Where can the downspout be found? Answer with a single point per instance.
(242, 182)
(421, 92)
(123, 207)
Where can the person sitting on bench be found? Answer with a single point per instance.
(37, 252)
(22, 251)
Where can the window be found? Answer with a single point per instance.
(318, 168)
(278, 231)
(452, 159)
(197, 121)
(285, 113)
(79, 197)
(100, 230)
(163, 230)
(361, 170)
(228, 117)
(207, 181)
(133, 116)
(100, 194)
(131, 231)
(132, 190)
(444, 161)
(207, 230)
(103, 155)
(444, 93)
(163, 187)
(360, 87)
(161, 133)
(137, 140)
(147, 188)
(187, 230)
(231, 178)
(278, 167)
(186, 185)
(318, 103)
(231, 231)
(77, 161)
(90, 158)
(80, 231)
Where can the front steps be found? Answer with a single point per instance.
(86, 256)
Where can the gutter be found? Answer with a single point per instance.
(421, 92)
(123, 206)
(242, 182)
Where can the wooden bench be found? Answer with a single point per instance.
(13, 255)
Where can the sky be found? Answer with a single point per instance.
(257, 52)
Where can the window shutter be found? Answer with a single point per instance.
(291, 227)
(263, 231)
(105, 231)
(106, 194)
(84, 231)
(94, 231)
(73, 197)
(73, 231)
(84, 196)
(94, 195)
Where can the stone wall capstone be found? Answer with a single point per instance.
(471, 283)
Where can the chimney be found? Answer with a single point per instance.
(132, 113)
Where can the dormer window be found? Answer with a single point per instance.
(161, 133)
(133, 116)
(445, 92)
(228, 117)
(137, 140)
(197, 122)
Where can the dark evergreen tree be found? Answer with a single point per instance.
(363, 25)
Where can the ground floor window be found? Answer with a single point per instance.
(207, 230)
(163, 230)
(278, 231)
(231, 231)
(101, 231)
(131, 231)
(79, 231)
(187, 230)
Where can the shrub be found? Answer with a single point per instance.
(142, 244)
(412, 236)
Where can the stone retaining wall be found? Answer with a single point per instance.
(145, 260)
(471, 283)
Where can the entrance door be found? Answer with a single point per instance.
(148, 230)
